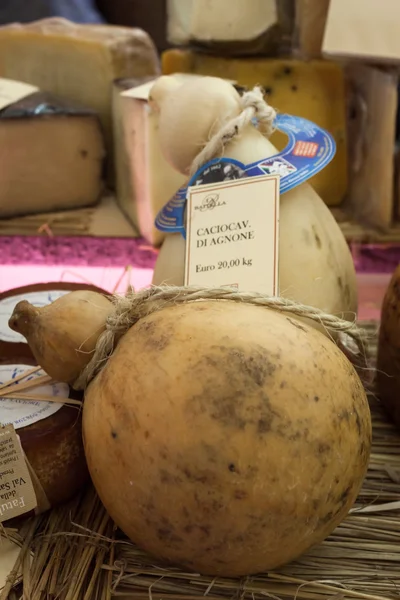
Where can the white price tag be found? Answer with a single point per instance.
(12, 91)
(232, 235)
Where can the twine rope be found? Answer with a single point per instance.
(253, 106)
(129, 309)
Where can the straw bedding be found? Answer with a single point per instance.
(78, 553)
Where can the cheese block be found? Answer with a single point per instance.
(51, 438)
(125, 196)
(364, 30)
(13, 346)
(77, 62)
(229, 27)
(145, 181)
(372, 106)
(51, 154)
(313, 90)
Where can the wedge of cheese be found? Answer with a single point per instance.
(313, 90)
(52, 155)
(145, 181)
(124, 189)
(77, 62)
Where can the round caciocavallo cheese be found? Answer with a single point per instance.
(13, 346)
(50, 434)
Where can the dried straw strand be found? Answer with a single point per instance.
(20, 377)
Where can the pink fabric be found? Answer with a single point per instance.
(371, 287)
(111, 279)
(82, 251)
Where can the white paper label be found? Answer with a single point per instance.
(232, 235)
(12, 91)
(7, 306)
(21, 413)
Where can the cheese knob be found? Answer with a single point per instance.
(190, 114)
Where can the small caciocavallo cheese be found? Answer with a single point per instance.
(13, 346)
(78, 62)
(145, 180)
(52, 154)
(314, 90)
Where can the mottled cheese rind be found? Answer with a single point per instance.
(77, 62)
(313, 90)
